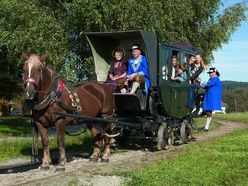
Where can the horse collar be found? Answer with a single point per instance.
(52, 96)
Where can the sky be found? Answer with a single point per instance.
(232, 59)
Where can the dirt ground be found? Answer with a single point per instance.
(82, 172)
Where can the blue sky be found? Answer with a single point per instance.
(232, 59)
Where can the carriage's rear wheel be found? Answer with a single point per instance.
(185, 131)
(163, 136)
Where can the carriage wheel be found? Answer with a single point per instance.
(163, 135)
(185, 131)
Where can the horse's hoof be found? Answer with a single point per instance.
(44, 167)
(105, 160)
(60, 168)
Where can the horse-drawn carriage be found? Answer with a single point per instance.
(165, 112)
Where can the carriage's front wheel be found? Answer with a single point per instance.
(163, 136)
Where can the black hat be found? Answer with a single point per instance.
(213, 69)
(135, 47)
(118, 49)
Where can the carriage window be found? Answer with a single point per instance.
(165, 54)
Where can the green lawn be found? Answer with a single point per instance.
(21, 127)
(220, 161)
(15, 126)
(22, 147)
(240, 117)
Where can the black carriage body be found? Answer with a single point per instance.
(174, 98)
(167, 101)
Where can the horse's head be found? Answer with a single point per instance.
(32, 74)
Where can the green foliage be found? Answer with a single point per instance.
(222, 161)
(229, 85)
(56, 27)
(236, 99)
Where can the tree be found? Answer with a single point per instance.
(26, 28)
(198, 22)
(56, 27)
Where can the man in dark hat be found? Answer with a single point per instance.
(212, 97)
(138, 69)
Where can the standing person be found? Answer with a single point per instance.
(117, 71)
(212, 97)
(199, 66)
(137, 69)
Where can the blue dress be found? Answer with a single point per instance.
(141, 68)
(212, 97)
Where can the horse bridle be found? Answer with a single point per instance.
(34, 82)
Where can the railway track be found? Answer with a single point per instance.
(20, 167)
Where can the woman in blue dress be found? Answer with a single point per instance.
(212, 97)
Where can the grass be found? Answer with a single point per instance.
(22, 148)
(221, 161)
(15, 126)
(239, 117)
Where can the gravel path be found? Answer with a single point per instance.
(82, 172)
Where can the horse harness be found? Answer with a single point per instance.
(53, 96)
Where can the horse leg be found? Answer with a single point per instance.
(106, 154)
(60, 128)
(97, 138)
(45, 143)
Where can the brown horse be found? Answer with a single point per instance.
(49, 95)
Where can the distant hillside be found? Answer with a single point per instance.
(230, 85)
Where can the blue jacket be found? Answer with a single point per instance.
(212, 97)
(141, 69)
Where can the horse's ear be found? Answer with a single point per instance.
(43, 58)
(25, 56)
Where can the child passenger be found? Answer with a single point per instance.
(180, 74)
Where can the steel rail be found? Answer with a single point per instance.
(19, 168)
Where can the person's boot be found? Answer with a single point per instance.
(123, 91)
(207, 123)
(134, 87)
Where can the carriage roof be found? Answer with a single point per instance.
(103, 43)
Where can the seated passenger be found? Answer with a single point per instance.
(199, 66)
(117, 71)
(137, 72)
(174, 65)
(191, 63)
(180, 74)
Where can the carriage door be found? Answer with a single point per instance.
(164, 76)
(179, 90)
